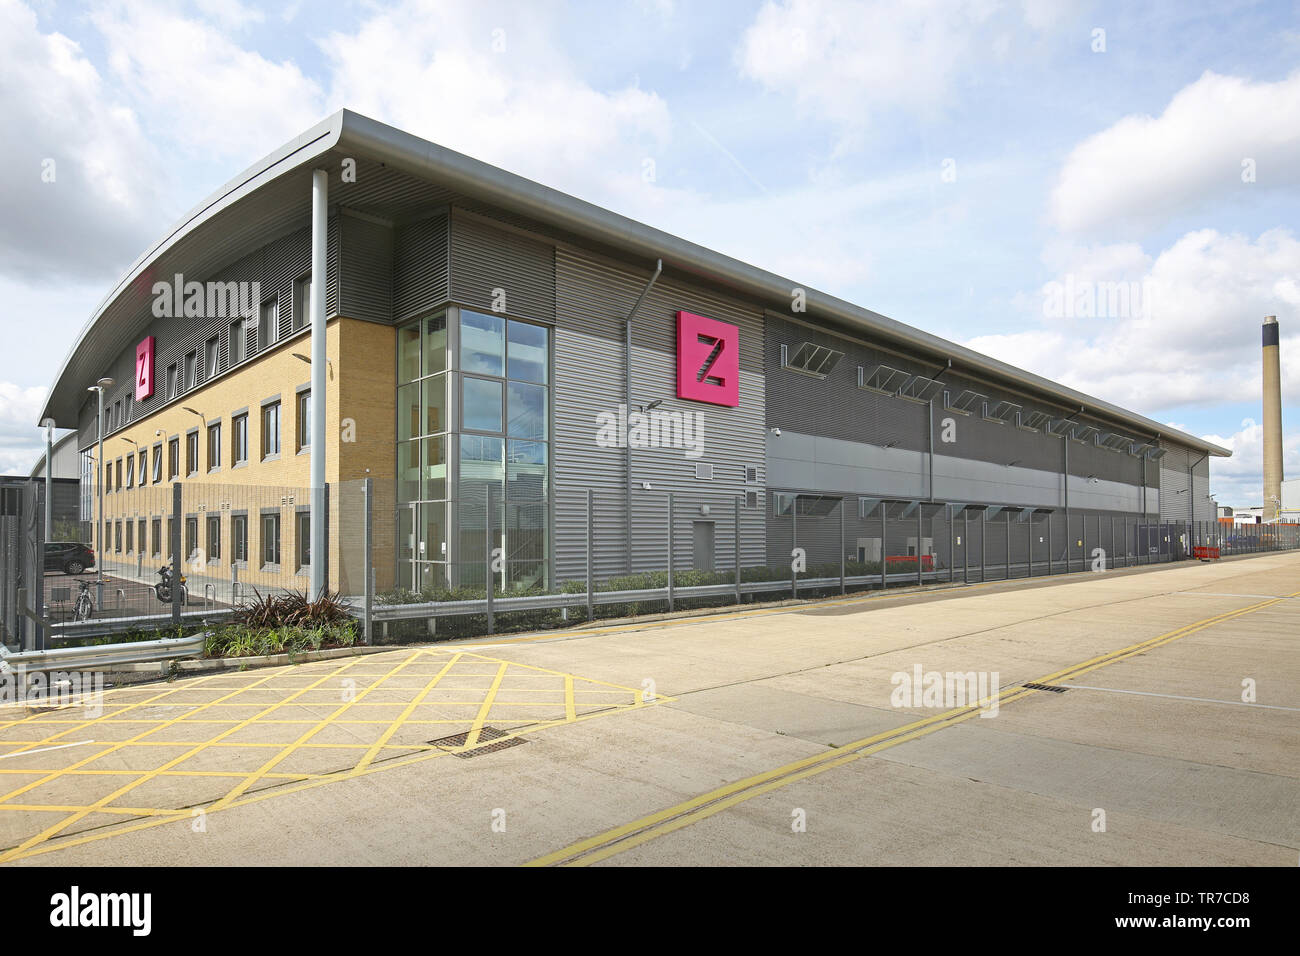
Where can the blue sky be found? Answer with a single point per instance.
(948, 164)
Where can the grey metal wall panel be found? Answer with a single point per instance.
(1175, 484)
(484, 260)
(420, 279)
(593, 296)
(366, 270)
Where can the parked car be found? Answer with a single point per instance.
(68, 557)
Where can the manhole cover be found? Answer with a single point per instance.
(490, 740)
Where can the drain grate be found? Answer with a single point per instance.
(1054, 690)
(490, 741)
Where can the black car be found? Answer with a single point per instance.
(68, 557)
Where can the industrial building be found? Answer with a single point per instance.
(480, 340)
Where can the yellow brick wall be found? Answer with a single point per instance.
(360, 394)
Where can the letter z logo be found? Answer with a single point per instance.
(708, 360)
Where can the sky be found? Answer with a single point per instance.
(1103, 194)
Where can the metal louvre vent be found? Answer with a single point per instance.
(1001, 411)
(811, 359)
(882, 379)
(751, 499)
(1032, 421)
(704, 471)
(1060, 426)
(920, 389)
(966, 402)
(751, 475)
(1084, 433)
(1139, 449)
(1155, 454)
(1114, 442)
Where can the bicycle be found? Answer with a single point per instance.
(85, 607)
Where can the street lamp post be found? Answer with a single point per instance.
(49, 481)
(98, 388)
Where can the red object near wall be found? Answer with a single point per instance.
(1202, 553)
(909, 561)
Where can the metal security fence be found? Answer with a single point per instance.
(484, 563)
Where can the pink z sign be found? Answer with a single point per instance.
(144, 369)
(708, 360)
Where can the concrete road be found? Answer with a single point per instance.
(1122, 718)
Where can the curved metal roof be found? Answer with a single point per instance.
(227, 222)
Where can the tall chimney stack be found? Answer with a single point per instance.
(1272, 421)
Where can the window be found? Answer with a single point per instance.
(157, 463)
(171, 533)
(482, 343)
(144, 464)
(239, 539)
(271, 539)
(214, 446)
(173, 383)
(239, 439)
(239, 335)
(481, 408)
(304, 420)
(304, 540)
(191, 370)
(810, 359)
(130, 537)
(214, 537)
(192, 453)
(173, 459)
(130, 471)
(212, 358)
(271, 430)
(156, 531)
(117, 536)
(268, 324)
(301, 302)
(191, 536)
(117, 479)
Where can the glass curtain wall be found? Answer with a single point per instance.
(499, 448)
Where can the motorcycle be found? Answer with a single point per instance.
(163, 589)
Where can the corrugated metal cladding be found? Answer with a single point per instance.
(593, 297)
(485, 260)
(420, 266)
(366, 270)
(835, 407)
(276, 266)
(1175, 484)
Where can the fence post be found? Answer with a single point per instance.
(670, 551)
(590, 602)
(736, 504)
(1049, 542)
(984, 528)
(368, 490)
(487, 556)
(884, 547)
(920, 531)
(176, 554)
(952, 533)
(965, 547)
(794, 546)
(1007, 542)
(842, 501)
(1029, 558)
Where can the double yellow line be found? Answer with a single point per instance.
(630, 835)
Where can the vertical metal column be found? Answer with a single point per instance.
(316, 306)
(984, 525)
(794, 546)
(884, 547)
(590, 546)
(1007, 542)
(920, 530)
(965, 547)
(368, 489)
(1049, 544)
(842, 545)
(736, 503)
(952, 555)
(670, 551)
(487, 557)
(1030, 556)
(176, 554)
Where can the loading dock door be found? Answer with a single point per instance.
(703, 554)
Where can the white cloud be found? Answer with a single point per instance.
(105, 185)
(206, 94)
(21, 442)
(849, 60)
(1144, 169)
(1198, 344)
(489, 81)
(1238, 481)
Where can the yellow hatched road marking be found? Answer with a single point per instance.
(387, 735)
